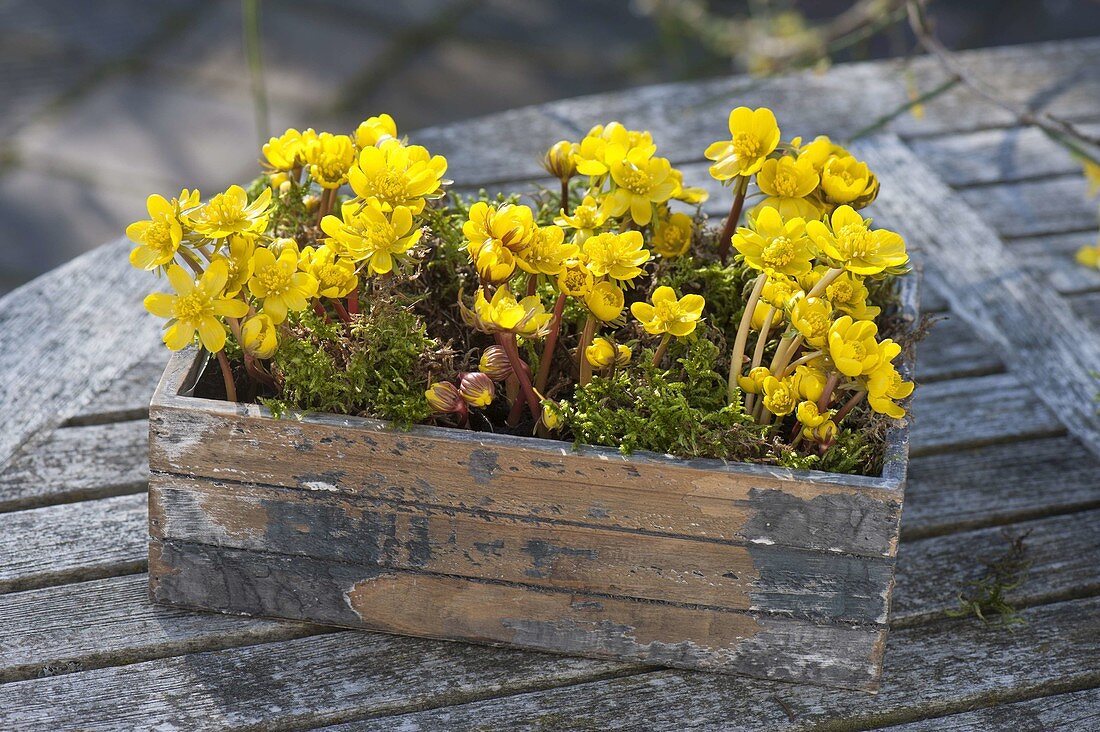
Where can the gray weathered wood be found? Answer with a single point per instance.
(1032, 328)
(57, 351)
(952, 350)
(998, 484)
(126, 397)
(1087, 307)
(981, 410)
(111, 621)
(1032, 208)
(290, 684)
(1078, 710)
(941, 668)
(72, 542)
(1052, 257)
(77, 463)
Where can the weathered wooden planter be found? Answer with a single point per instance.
(524, 542)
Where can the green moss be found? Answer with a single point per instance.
(986, 597)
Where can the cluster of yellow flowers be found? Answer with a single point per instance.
(815, 254)
(245, 276)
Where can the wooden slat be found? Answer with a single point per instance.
(952, 350)
(997, 156)
(290, 684)
(982, 410)
(477, 545)
(946, 667)
(56, 352)
(78, 463)
(72, 542)
(126, 397)
(111, 621)
(1028, 325)
(1052, 257)
(1062, 554)
(999, 484)
(1032, 208)
(1078, 710)
(1087, 307)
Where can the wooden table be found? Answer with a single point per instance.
(1005, 444)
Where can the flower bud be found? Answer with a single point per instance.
(277, 179)
(753, 383)
(623, 354)
(477, 389)
(311, 202)
(443, 397)
(550, 418)
(601, 353)
(258, 336)
(559, 161)
(495, 364)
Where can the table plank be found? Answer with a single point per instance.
(1075, 711)
(126, 397)
(78, 463)
(934, 669)
(1034, 207)
(951, 351)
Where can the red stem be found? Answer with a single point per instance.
(725, 238)
(565, 197)
(551, 343)
(340, 310)
(353, 302)
(508, 343)
(227, 377)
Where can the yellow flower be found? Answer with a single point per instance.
(368, 234)
(1089, 256)
(885, 385)
(811, 380)
(848, 294)
(623, 354)
(574, 279)
(397, 175)
(558, 160)
(850, 242)
(618, 256)
(279, 283)
(495, 262)
(512, 226)
(693, 196)
(231, 213)
(241, 247)
(852, 346)
(640, 182)
(811, 417)
(787, 182)
(753, 382)
(669, 315)
(373, 130)
(476, 389)
(601, 354)
(760, 313)
(546, 252)
(605, 301)
(754, 133)
(812, 317)
(495, 363)
(820, 151)
(780, 396)
(157, 237)
(526, 317)
(259, 336)
(335, 275)
(604, 145)
(587, 218)
(196, 306)
(779, 290)
(287, 151)
(329, 157)
(847, 180)
(672, 236)
(773, 245)
(824, 433)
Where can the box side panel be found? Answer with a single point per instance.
(539, 552)
(462, 474)
(414, 603)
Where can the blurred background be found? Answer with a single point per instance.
(105, 101)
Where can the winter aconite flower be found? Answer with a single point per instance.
(640, 182)
(618, 256)
(754, 133)
(559, 160)
(773, 245)
(847, 180)
(476, 389)
(546, 252)
(373, 130)
(494, 362)
(287, 151)
(231, 213)
(258, 336)
(811, 316)
(605, 301)
(330, 157)
(510, 225)
(668, 314)
(279, 284)
(672, 236)
(157, 237)
(335, 275)
(443, 397)
(780, 396)
(885, 385)
(852, 244)
(196, 307)
(238, 259)
(852, 346)
(586, 220)
(787, 182)
(368, 234)
(505, 314)
(574, 279)
(394, 175)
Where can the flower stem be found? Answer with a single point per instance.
(784, 352)
(550, 344)
(743, 337)
(227, 377)
(758, 352)
(507, 341)
(340, 310)
(353, 302)
(825, 281)
(190, 260)
(586, 339)
(804, 359)
(849, 406)
(565, 197)
(726, 236)
(827, 393)
(660, 352)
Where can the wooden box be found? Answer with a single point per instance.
(524, 542)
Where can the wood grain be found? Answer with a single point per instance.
(1078, 710)
(126, 397)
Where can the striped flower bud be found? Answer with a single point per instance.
(559, 161)
(495, 364)
(477, 389)
(443, 397)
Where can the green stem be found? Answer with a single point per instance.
(660, 352)
(565, 197)
(758, 352)
(743, 337)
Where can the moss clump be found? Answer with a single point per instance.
(986, 597)
(376, 366)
